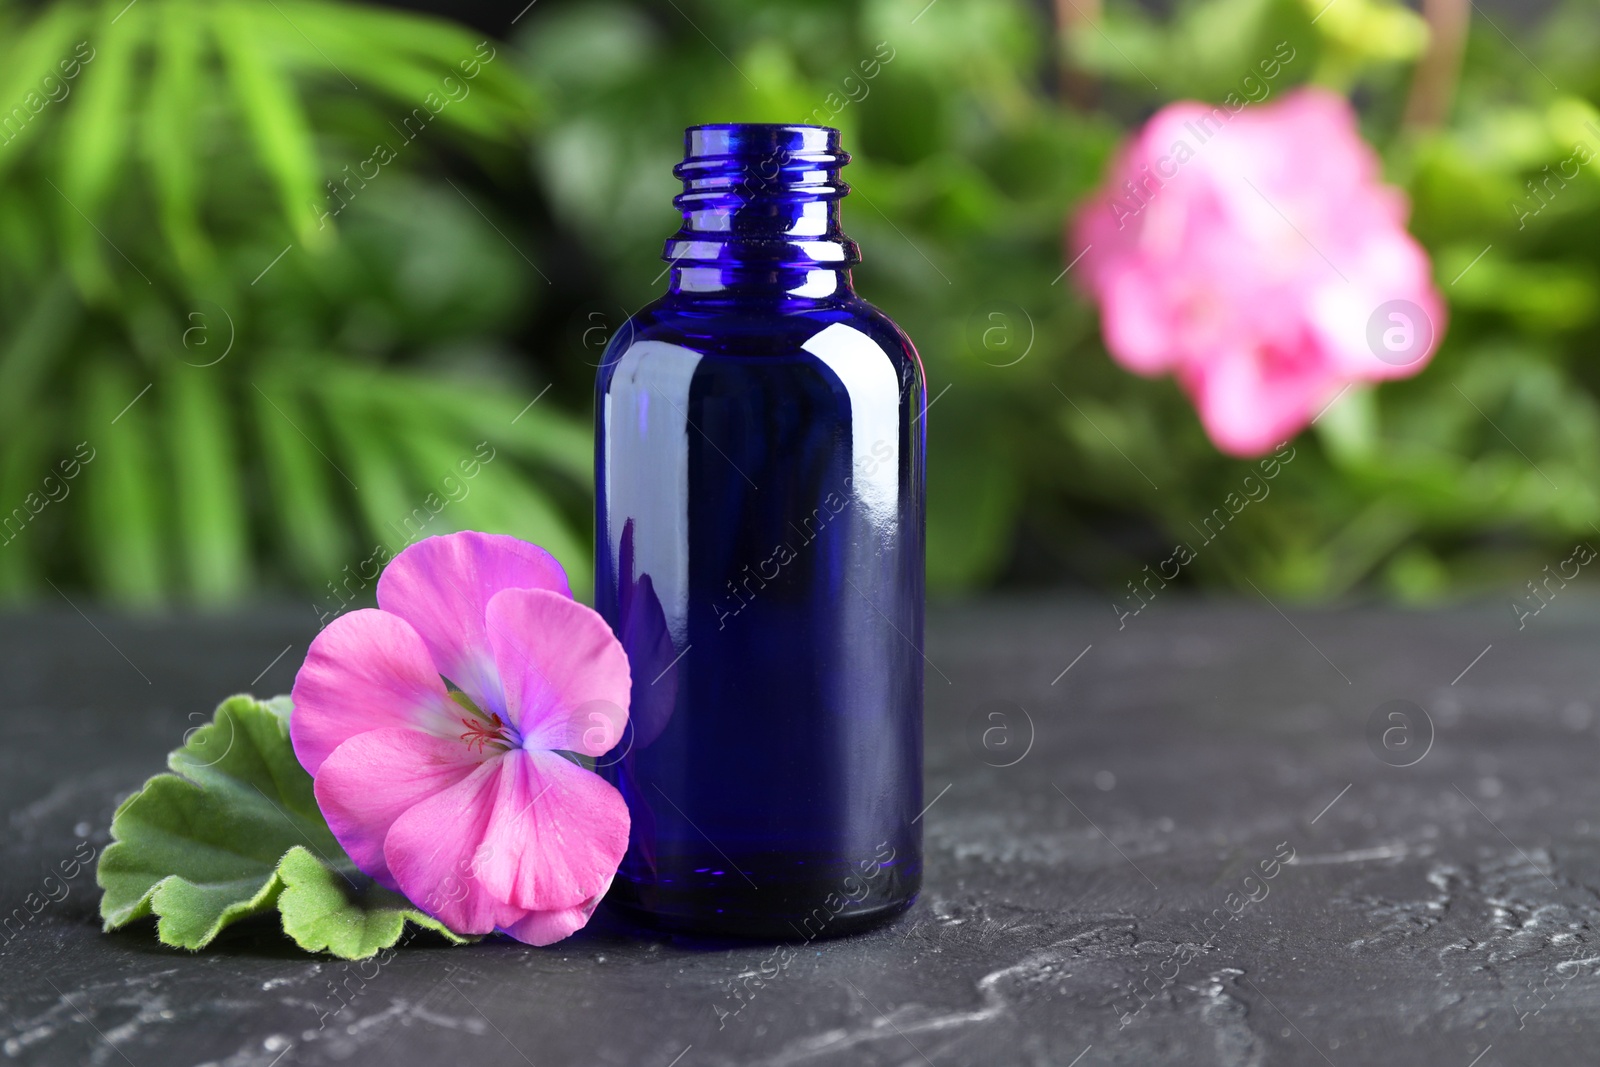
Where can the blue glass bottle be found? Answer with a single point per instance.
(759, 530)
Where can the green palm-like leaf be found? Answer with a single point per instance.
(441, 432)
(21, 461)
(34, 52)
(500, 498)
(172, 131)
(365, 442)
(540, 433)
(523, 511)
(95, 143)
(273, 55)
(126, 532)
(471, 84)
(453, 466)
(267, 97)
(190, 137)
(312, 532)
(32, 351)
(208, 493)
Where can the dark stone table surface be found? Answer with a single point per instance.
(1125, 825)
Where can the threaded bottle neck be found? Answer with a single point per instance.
(760, 210)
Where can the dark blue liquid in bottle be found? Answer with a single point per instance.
(759, 526)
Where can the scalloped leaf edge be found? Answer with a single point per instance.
(315, 910)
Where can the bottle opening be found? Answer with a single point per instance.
(763, 196)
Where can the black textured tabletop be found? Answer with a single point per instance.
(1222, 834)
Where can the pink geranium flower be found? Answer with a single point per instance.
(459, 799)
(1254, 253)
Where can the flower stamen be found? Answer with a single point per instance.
(486, 732)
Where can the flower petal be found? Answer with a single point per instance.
(1249, 404)
(372, 779)
(557, 834)
(442, 586)
(1189, 250)
(528, 831)
(367, 670)
(566, 676)
(548, 927)
(432, 852)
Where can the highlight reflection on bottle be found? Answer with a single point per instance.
(759, 528)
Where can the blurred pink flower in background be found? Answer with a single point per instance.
(1255, 255)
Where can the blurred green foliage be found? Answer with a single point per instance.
(173, 205)
(1046, 459)
(222, 273)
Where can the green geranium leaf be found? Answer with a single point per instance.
(234, 832)
(324, 912)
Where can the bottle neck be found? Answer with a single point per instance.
(760, 208)
(740, 283)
